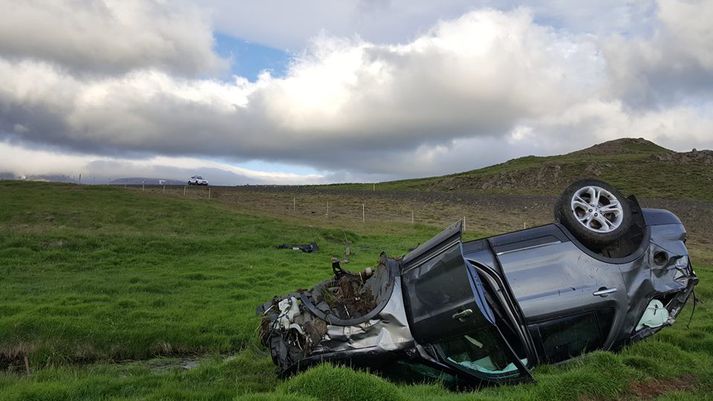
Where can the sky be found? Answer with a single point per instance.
(318, 91)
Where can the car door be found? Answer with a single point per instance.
(441, 295)
(448, 310)
(572, 301)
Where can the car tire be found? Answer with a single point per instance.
(595, 212)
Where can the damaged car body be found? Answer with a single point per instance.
(605, 274)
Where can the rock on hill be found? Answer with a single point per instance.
(634, 165)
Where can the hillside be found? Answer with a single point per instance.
(634, 165)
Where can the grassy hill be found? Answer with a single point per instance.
(634, 165)
(115, 294)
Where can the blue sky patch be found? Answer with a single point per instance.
(249, 59)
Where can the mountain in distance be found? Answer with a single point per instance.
(91, 180)
(145, 181)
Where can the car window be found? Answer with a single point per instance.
(480, 352)
(439, 288)
(413, 372)
(571, 336)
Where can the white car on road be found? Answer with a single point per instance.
(197, 180)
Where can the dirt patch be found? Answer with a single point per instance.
(13, 364)
(164, 365)
(351, 296)
(652, 388)
(315, 330)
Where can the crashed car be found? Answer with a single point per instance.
(605, 274)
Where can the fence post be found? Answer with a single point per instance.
(143, 183)
(208, 192)
(294, 205)
(363, 214)
(184, 191)
(27, 363)
(412, 217)
(163, 189)
(463, 223)
(327, 209)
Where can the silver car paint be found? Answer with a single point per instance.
(388, 332)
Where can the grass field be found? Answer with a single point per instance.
(633, 165)
(117, 294)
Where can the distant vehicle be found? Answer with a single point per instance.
(197, 180)
(605, 274)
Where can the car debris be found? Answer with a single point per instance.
(307, 248)
(606, 273)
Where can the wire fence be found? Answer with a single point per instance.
(480, 213)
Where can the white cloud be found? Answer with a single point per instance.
(22, 161)
(109, 36)
(474, 76)
(674, 63)
(292, 25)
(593, 121)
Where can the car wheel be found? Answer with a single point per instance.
(594, 211)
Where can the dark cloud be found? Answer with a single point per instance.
(292, 25)
(467, 92)
(341, 97)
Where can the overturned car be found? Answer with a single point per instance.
(606, 273)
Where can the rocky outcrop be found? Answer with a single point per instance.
(694, 156)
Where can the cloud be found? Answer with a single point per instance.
(292, 25)
(473, 76)
(109, 36)
(22, 161)
(674, 63)
(467, 92)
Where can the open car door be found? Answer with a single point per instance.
(449, 313)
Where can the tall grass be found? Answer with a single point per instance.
(109, 292)
(94, 273)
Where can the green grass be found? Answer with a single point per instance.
(108, 291)
(95, 273)
(633, 167)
